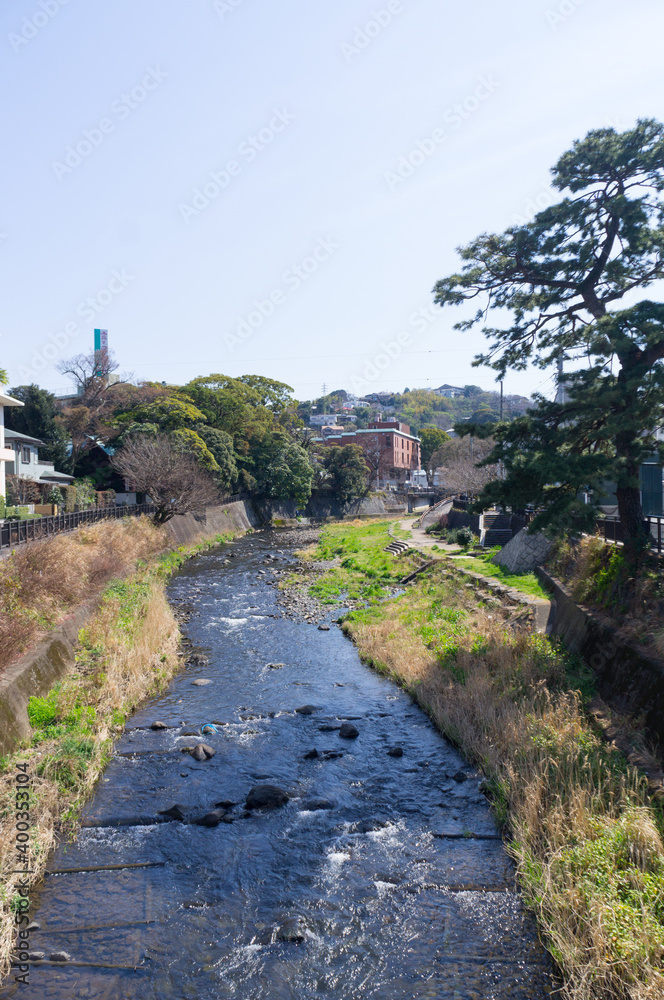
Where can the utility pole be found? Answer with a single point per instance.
(501, 471)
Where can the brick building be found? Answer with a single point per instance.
(390, 450)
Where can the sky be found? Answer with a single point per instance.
(245, 187)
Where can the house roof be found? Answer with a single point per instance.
(11, 435)
(9, 400)
(51, 476)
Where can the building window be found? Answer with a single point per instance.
(25, 453)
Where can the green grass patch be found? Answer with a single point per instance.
(527, 583)
(363, 571)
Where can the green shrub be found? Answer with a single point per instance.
(55, 496)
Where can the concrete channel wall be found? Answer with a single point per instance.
(627, 679)
(43, 666)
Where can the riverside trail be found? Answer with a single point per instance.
(383, 876)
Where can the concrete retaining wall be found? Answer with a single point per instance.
(460, 519)
(35, 674)
(627, 679)
(43, 666)
(322, 506)
(524, 553)
(236, 517)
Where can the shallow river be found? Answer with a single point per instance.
(365, 885)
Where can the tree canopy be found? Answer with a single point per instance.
(38, 418)
(558, 278)
(347, 471)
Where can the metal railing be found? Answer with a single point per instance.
(16, 532)
(610, 529)
(32, 529)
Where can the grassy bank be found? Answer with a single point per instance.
(126, 653)
(41, 582)
(586, 840)
(598, 576)
(527, 583)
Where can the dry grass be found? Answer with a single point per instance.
(127, 652)
(598, 576)
(586, 840)
(41, 582)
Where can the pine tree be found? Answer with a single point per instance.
(559, 278)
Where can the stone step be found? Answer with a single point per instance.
(496, 521)
(496, 536)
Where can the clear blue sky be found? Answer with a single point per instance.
(304, 123)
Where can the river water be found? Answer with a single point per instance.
(381, 894)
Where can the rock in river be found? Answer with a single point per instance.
(315, 805)
(293, 930)
(158, 725)
(395, 752)
(201, 682)
(175, 812)
(60, 956)
(348, 731)
(202, 752)
(266, 797)
(307, 709)
(212, 818)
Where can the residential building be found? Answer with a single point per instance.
(449, 391)
(6, 453)
(26, 463)
(323, 419)
(391, 451)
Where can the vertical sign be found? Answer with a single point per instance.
(101, 340)
(101, 343)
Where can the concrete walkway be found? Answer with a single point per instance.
(420, 540)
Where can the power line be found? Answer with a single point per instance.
(302, 357)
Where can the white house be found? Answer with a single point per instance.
(6, 454)
(26, 463)
(450, 391)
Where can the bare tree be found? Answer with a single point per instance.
(374, 458)
(92, 375)
(84, 417)
(171, 477)
(21, 490)
(456, 463)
